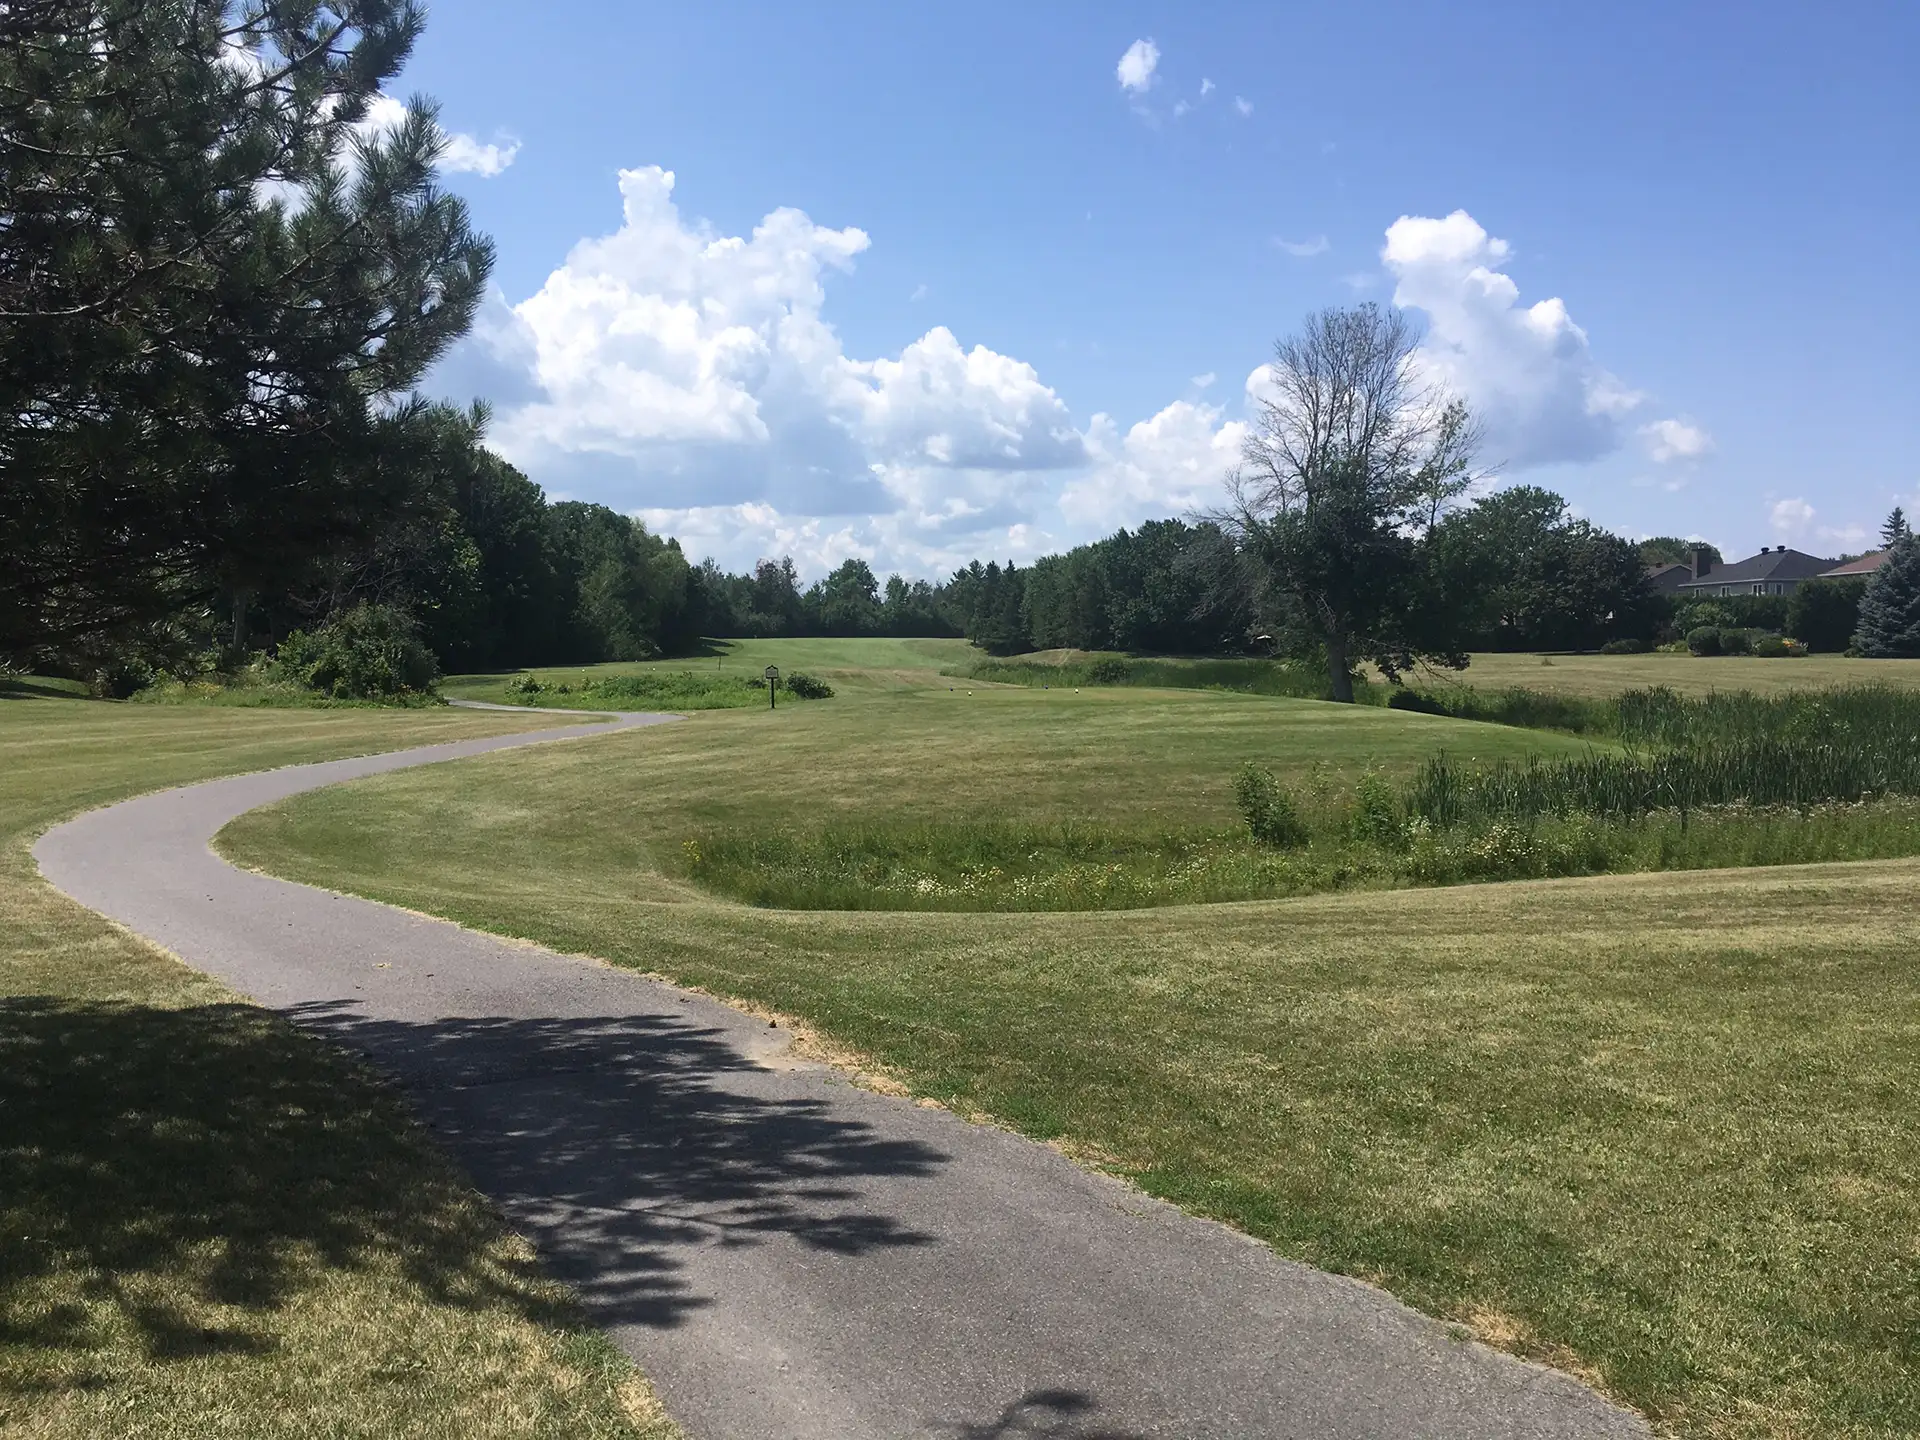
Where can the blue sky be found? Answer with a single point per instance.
(929, 284)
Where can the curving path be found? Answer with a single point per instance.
(785, 1254)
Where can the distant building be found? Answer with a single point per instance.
(1666, 579)
(1771, 572)
(1856, 569)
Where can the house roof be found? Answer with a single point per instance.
(1671, 575)
(1865, 565)
(1776, 564)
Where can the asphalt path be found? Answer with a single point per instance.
(786, 1254)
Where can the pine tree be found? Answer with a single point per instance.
(1895, 529)
(217, 285)
(1890, 610)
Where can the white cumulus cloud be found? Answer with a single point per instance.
(1527, 369)
(1136, 67)
(1305, 249)
(1174, 463)
(1792, 518)
(1206, 87)
(1243, 105)
(1670, 440)
(690, 377)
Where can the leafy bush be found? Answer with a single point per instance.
(1825, 613)
(1417, 701)
(1745, 612)
(1774, 646)
(524, 686)
(1109, 670)
(369, 652)
(1624, 647)
(1704, 640)
(1735, 641)
(1272, 817)
(803, 686)
(121, 678)
(1377, 818)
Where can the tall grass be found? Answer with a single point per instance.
(647, 689)
(1796, 749)
(1280, 678)
(1080, 866)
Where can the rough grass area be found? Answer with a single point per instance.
(984, 865)
(210, 1225)
(1071, 668)
(1658, 1128)
(1689, 674)
(260, 694)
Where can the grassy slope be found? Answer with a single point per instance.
(1659, 1127)
(857, 665)
(210, 1225)
(933, 754)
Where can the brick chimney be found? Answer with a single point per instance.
(1702, 562)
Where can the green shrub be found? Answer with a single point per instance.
(524, 686)
(121, 678)
(1624, 647)
(1416, 701)
(1109, 670)
(1704, 640)
(803, 686)
(369, 652)
(1269, 810)
(1734, 641)
(1377, 818)
(1825, 613)
(1774, 646)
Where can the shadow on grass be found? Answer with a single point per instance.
(31, 687)
(171, 1161)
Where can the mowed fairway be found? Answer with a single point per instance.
(1657, 1128)
(211, 1226)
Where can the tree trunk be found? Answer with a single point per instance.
(1339, 676)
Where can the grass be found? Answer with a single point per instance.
(211, 1225)
(1082, 668)
(1659, 1128)
(863, 665)
(1601, 675)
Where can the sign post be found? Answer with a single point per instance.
(773, 686)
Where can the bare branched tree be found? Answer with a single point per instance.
(1352, 459)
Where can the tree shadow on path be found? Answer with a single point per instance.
(197, 1171)
(621, 1141)
(1051, 1414)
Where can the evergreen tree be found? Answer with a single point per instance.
(216, 287)
(1890, 610)
(1895, 529)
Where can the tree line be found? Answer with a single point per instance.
(220, 287)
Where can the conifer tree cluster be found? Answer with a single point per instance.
(218, 284)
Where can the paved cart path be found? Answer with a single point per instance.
(785, 1254)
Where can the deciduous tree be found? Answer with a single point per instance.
(1350, 462)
